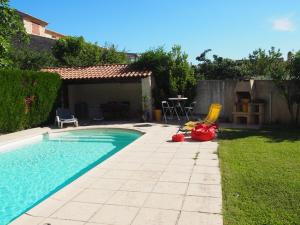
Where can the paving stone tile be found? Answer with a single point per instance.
(202, 204)
(204, 178)
(167, 155)
(27, 220)
(208, 190)
(118, 174)
(206, 169)
(182, 162)
(67, 193)
(170, 188)
(175, 177)
(139, 186)
(157, 160)
(83, 181)
(127, 198)
(76, 211)
(46, 208)
(184, 155)
(165, 149)
(164, 201)
(115, 215)
(195, 218)
(127, 166)
(207, 163)
(179, 168)
(94, 196)
(146, 175)
(96, 172)
(108, 184)
(152, 167)
(207, 156)
(61, 222)
(96, 224)
(148, 216)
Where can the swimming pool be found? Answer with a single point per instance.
(32, 172)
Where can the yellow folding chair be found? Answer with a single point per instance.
(212, 117)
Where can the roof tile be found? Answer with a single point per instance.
(99, 72)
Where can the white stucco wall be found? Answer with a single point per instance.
(96, 94)
(28, 28)
(147, 91)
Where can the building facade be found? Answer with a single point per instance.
(37, 27)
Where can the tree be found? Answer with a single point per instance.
(75, 51)
(295, 77)
(172, 72)
(182, 78)
(264, 64)
(11, 26)
(202, 56)
(289, 84)
(27, 59)
(285, 75)
(158, 61)
(111, 55)
(220, 68)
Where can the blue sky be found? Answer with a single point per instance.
(231, 28)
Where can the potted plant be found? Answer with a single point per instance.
(158, 96)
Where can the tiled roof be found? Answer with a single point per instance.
(99, 72)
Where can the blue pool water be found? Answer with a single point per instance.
(33, 172)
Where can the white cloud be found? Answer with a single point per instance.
(283, 24)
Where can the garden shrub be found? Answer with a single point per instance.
(26, 98)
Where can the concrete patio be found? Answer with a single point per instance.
(150, 182)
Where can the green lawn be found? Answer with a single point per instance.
(260, 176)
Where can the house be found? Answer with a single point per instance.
(132, 57)
(116, 91)
(35, 26)
(41, 38)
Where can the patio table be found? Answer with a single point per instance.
(177, 103)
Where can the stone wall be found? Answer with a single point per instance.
(222, 91)
(41, 43)
(37, 43)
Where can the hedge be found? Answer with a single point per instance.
(26, 98)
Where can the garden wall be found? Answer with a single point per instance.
(26, 98)
(222, 91)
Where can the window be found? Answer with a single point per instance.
(35, 29)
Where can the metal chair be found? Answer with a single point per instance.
(166, 108)
(188, 110)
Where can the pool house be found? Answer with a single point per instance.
(114, 91)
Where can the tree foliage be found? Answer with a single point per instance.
(26, 98)
(172, 72)
(75, 51)
(27, 59)
(10, 27)
(260, 64)
(284, 73)
(220, 68)
(266, 64)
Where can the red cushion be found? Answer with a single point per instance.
(178, 137)
(204, 133)
(207, 126)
